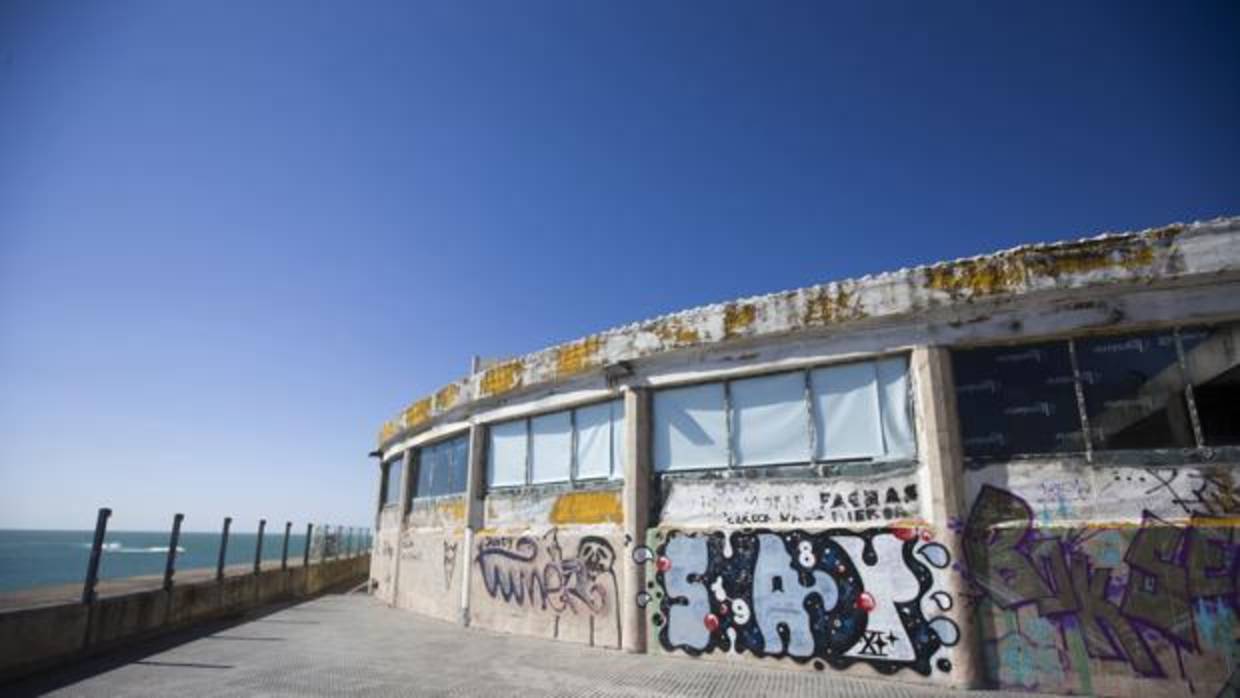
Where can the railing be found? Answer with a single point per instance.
(322, 542)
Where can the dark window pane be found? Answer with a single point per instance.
(1134, 391)
(1017, 400)
(458, 464)
(391, 485)
(1214, 370)
(426, 467)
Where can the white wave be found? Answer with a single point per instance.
(119, 547)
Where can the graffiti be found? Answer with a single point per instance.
(834, 597)
(1120, 593)
(533, 572)
(891, 499)
(449, 562)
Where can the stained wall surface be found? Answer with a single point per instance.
(547, 564)
(779, 507)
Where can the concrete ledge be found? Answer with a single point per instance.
(33, 639)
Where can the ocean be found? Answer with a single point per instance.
(31, 559)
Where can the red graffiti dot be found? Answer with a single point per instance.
(925, 535)
(865, 602)
(711, 621)
(904, 532)
(663, 564)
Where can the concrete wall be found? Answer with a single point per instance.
(547, 563)
(433, 558)
(38, 638)
(1058, 575)
(1112, 581)
(383, 568)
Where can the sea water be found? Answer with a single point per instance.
(41, 558)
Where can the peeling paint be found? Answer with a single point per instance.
(577, 357)
(502, 378)
(447, 397)
(587, 508)
(737, 318)
(453, 509)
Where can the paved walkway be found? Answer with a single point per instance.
(350, 645)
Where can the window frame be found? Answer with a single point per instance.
(575, 480)
(416, 462)
(388, 499)
(1091, 454)
(813, 465)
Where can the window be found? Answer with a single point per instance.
(1134, 392)
(1212, 360)
(848, 412)
(1169, 389)
(1017, 400)
(690, 428)
(442, 468)
(389, 490)
(567, 446)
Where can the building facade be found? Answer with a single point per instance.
(1017, 470)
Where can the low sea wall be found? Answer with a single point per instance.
(38, 638)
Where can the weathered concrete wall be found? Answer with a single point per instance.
(433, 558)
(1171, 254)
(547, 563)
(383, 572)
(38, 638)
(1112, 581)
(834, 573)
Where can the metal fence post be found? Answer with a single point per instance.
(258, 548)
(219, 568)
(288, 526)
(170, 566)
(305, 560)
(96, 551)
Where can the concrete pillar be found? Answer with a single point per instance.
(475, 492)
(636, 505)
(402, 504)
(943, 488)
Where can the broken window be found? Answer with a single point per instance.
(1212, 360)
(1134, 391)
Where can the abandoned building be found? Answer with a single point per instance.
(1017, 470)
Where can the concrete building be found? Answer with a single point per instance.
(1016, 470)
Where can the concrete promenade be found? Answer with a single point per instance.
(351, 645)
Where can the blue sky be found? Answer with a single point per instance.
(236, 237)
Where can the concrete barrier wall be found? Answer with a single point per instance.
(1111, 582)
(37, 638)
(547, 564)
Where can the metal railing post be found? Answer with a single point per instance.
(96, 551)
(305, 560)
(170, 566)
(258, 548)
(288, 526)
(219, 567)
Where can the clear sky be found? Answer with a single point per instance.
(235, 237)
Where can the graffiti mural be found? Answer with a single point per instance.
(533, 572)
(834, 597)
(1154, 596)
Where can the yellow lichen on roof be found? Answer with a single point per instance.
(737, 317)
(577, 357)
(418, 412)
(447, 397)
(502, 378)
